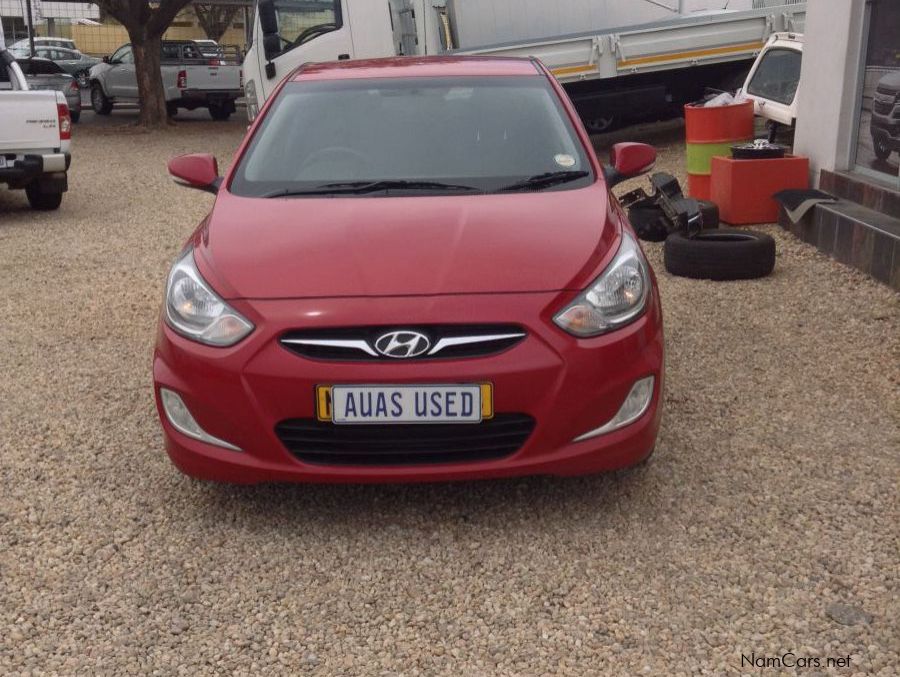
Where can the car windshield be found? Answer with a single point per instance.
(435, 134)
(777, 76)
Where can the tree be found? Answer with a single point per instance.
(146, 21)
(215, 19)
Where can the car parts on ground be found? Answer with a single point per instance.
(695, 246)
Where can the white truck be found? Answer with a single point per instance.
(618, 59)
(774, 80)
(194, 76)
(35, 137)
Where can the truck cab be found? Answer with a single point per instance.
(288, 33)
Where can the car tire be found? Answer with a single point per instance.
(75, 115)
(219, 112)
(722, 254)
(881, 147)
(171, 110)
(600, 124)
(99, 101)
(42, 201)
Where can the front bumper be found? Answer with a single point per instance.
(568, 386)
(887, 127)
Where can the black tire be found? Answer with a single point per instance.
(42, 201)
(75, 115)
(723, 254)
(599, 124)
(99, 102)
(881, 147)
(171, 110)
(219, 112)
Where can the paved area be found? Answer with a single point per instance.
(765, 524)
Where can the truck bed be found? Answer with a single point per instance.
(663, 45)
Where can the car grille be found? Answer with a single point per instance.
(324, 443)
(444, 341)
(882, 107)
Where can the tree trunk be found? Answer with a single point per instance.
(147, 51)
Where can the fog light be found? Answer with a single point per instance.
(181, 419)
(634, 406)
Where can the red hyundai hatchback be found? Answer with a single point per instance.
(414, 270)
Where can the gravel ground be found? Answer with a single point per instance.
(767, 521)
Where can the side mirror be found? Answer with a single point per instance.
(268, 24)
(106, 59)
(627, 160)
(197, 170)
(268, 17)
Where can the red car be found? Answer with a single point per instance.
(414, 270)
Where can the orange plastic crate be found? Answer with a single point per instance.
(743, 189)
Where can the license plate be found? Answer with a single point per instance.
(387, 404)
(2, 162)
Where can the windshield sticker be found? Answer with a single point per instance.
(564, 160)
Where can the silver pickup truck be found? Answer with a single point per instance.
(194, 76)
(35, 137)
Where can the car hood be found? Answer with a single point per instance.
(387, 246)
(890, 81)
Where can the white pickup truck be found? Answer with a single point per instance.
(194, 76)
(35, 136)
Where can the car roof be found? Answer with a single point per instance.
(409, 67)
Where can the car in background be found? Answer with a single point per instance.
(71, 61)
(65, 43)
(190, 79)
(885, 125)
(35, 137)
(46, 74)
(774, 80)
(413, 271)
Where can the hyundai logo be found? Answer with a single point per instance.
(402, 344)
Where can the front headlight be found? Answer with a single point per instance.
(250, 98)
(196, 312)
(615, 298)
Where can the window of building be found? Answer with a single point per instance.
(877, 152)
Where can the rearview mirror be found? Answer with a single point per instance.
(627, 160)
(197, 170)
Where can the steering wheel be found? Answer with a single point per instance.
(337, 151)
(313, 30)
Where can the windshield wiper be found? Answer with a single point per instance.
(361, 187)
(545, 180)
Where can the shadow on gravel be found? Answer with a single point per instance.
(558, 501)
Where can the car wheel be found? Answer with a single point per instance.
(75, 115)
(882, 150)
(219, 112)
(600, 124)
(42, 201)
(171, 110)
(723, 254)
(82, 78)
(99, 102)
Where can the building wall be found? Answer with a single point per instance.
(827, 101)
